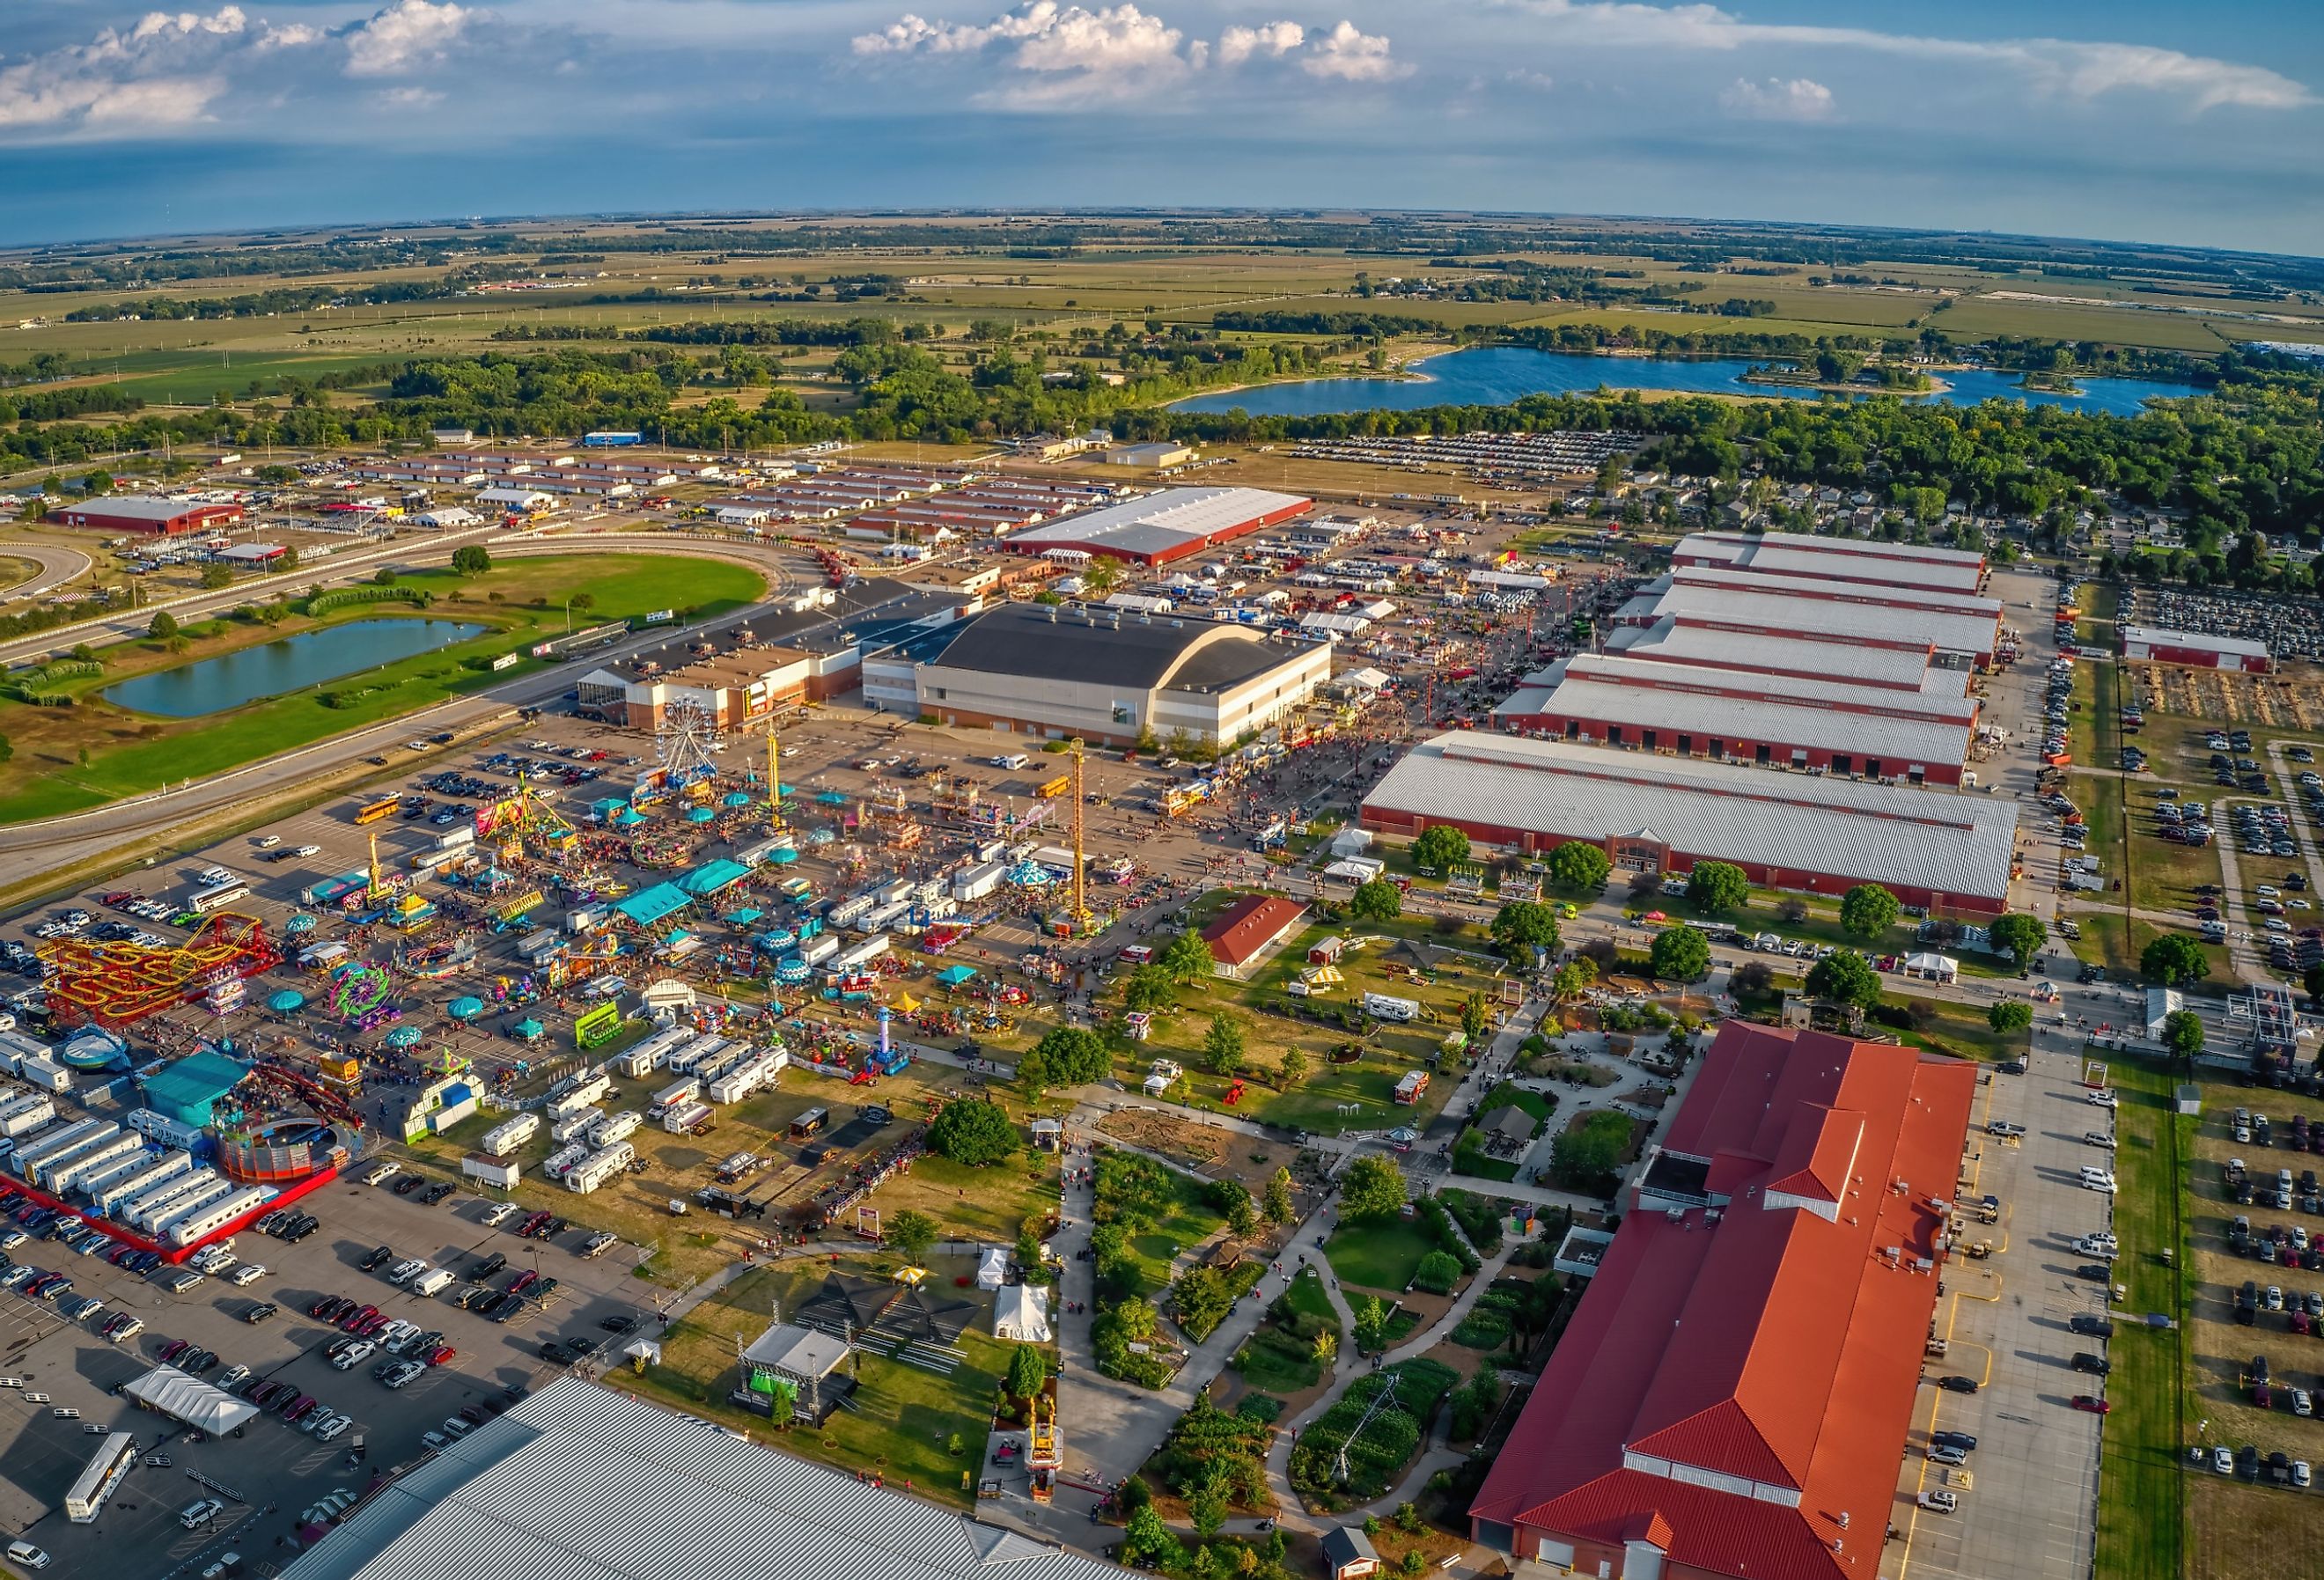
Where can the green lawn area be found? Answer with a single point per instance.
(1190, 1221)
(904, 1417)
(1962, 1029)
(1277, 1362)
(2100, 606)
(989, 1204)
(129, 753)
(2142, 1528)
(1381, 1256)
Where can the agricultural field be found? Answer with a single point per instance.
(1125, 271)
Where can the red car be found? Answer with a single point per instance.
(2092, 1403)
(354, 1319)
(441, 1354)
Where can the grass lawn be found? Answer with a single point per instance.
(1190, 1221)
(2141, 1489)
(903, 1419)
(1963, 1029)
(128, 753)
(1381, 1256)
(988, 1204)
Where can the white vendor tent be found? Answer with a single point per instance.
(991, 1266)
(1935, 967)
(1022, 1313)
(183, 1397)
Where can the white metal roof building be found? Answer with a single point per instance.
(1705, 597)
(1161, 527)
(1657, 813)
(1806, 653)
(1775, 720)
(579, 1483)
(1866, 560)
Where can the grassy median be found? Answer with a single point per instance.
(2142, 1530)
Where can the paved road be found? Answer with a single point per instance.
(29, 849)
(2033, 1509)
(55, 565)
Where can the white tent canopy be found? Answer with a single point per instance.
(1933, 965)
(991, 1266)
(1022, 1313)
(183, 1397)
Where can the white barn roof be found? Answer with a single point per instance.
(579, 1483)
(1884, 834)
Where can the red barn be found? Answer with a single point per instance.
(162, 518)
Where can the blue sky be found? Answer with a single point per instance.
(2194, 124)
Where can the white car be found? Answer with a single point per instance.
(268, 841)
(25, 1556)
(333, 1427)
(199, 1510)
(2099, 1180)
(2103, 1097)
(2223, 1462)
(232, 1376)
(355, 1355)
(1939, 1500)
(247, 1274)
(499, 1214)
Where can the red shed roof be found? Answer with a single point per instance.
(1741, 1374)
(1248, 926)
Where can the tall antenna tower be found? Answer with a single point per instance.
(1079, 916)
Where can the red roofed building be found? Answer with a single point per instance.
(1248, 929)
(1732, 1397)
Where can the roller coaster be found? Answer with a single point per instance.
(117, 984)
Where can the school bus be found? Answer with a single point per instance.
(373, 811)
(1054, 788)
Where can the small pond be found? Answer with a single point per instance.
(292, 664)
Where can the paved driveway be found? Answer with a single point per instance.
(2033, 1510)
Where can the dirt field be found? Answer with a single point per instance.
(1215, 1153)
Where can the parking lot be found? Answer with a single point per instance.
(2031, 1509)
(271, 1471)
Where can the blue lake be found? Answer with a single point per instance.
(292, 664)
(1496, 375)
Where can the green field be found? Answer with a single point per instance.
(902, 1421)
(2142, 1528)
(66, 760)
(1380, 1256)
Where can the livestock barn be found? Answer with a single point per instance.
(1162, 527)
(2197, 649)
(160, 518)
(1950, 854)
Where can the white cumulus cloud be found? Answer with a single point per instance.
(168, 70)
(2071, 68)
(1351, 55)
(1070, 54)
(1776, 99)
(405, 37)
(1272, 39)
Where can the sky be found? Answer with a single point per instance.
(2130, 119)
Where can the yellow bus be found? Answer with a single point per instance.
(1054, 788)
(373, 811)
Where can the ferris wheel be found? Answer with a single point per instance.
(686, 745)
